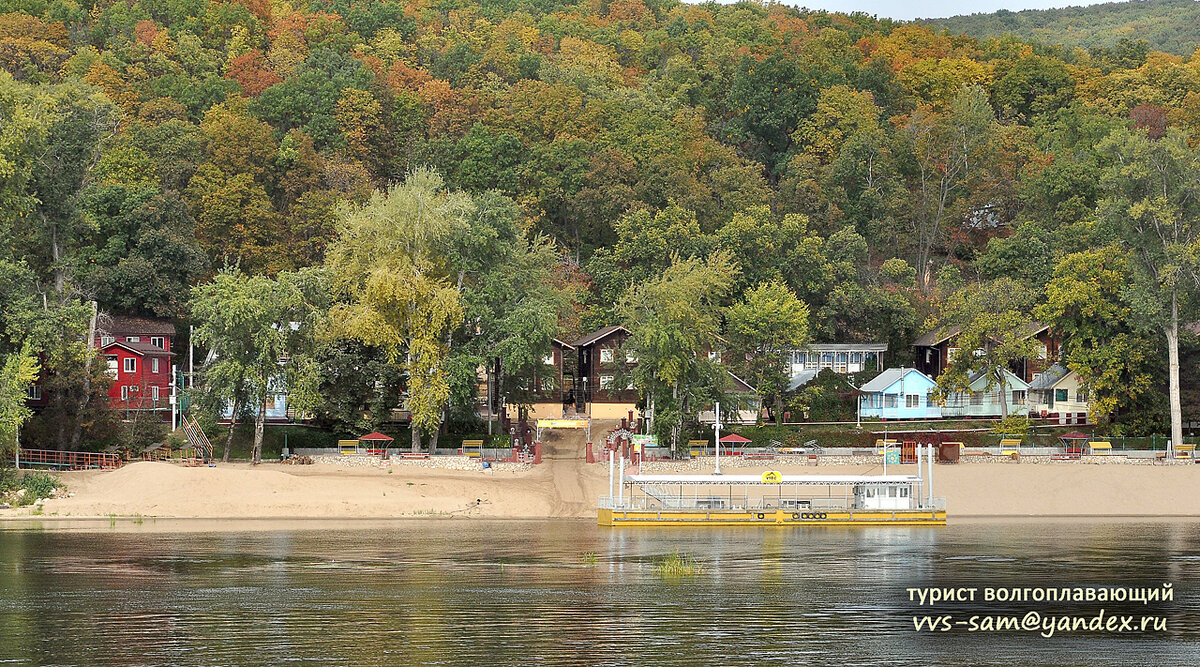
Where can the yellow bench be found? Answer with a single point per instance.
(472, 448)
(1010, 446)
(882, 446)
(348, 447)
(697, 447)
(1100, 448)
(1185, 451)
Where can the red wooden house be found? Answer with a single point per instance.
(138, 353)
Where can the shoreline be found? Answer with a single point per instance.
(568, 488)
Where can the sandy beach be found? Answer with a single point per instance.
(568, 487)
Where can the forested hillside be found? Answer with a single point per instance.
(884, 175)
(1165, 25)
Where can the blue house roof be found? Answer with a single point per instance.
(892, 376)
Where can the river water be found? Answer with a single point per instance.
(568, 592)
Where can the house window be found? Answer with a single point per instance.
(1060, 395)
(105, 341)
(606, 355)
(130, 365)
(904, 492)
(154, 365)
(548, 359)
(889, 400)
(810, 362)
(158, 341)
(856, 358)
(714, 356)
(606, 381)
(950, 353)
(826, 360)
(630, 385)
(912, 401)
(631, 358)
(1018, 397)
(112, 365)
(929, 399)
(1081, 394)
(34, 392)
(154, 392)
(841, 362)
(124, 392)
(133, 339)
(1042, 352)
(547, 384)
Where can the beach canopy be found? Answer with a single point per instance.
(734, 437)
(1074, 435)
(376, 435)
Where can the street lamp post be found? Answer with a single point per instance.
(717, 428)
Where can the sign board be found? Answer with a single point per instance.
(562, 423)
(644, 440)
(772, 477)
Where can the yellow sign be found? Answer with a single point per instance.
(772, 477)
(562, 423)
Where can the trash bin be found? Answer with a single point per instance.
(948, 453)
(486, 464)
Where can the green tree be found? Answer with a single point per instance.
(18, 371)
(259, 329)
(1152, 208)
(674, 319)
(993, 320)
(763, 329)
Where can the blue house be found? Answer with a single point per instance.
(899, 393)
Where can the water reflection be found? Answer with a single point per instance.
(450, 592)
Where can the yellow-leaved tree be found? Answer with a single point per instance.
(395, 287)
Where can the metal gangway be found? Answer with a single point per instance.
(197, 440)
(59, 459)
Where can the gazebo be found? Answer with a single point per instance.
(376, 442)
(734, 439)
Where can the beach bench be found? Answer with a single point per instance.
(697, 447)
(1010, 446)
(472, 448)
(348, 447)
(414, 455)
(761, 456)
(885, 445)
(1185, 451)
(1071, 454)
(1100, 448)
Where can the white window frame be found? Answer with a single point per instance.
(113, 364)
(154, 392)
(890, 401)
(606, 381)
(129, 365)
(133, 339)
(153, 364)
(159, 341)
(124, 392)
(1020, 397)
(548, 359)
(912, 401)
(105, 341)
(547, 384)
(34, 392)
(606, 355)
(631, 357)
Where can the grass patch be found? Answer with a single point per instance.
(21, 489)
(589, 559)
(676, 565)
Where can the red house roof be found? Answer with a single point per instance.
(734, 437)
(140, 349)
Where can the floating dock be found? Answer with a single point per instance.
(772, 499)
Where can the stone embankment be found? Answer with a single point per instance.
(439, 462)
